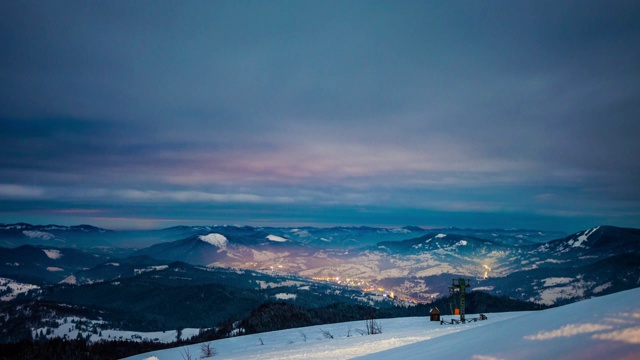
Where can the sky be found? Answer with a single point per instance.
(487, 114)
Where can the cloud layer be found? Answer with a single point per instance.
(465, 113)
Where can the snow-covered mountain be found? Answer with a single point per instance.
(422, 267)
(14, 235)
(344, 237)
(418, 265)
(601, 328)
(223, 249)
(589, 263)
(592, 262)
(601, 241)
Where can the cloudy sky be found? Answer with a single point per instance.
(147, 114)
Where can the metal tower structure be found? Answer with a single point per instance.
(460, 286)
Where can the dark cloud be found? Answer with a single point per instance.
(522, 109)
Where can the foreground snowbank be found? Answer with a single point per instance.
(605, 327)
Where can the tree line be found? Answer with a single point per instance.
(269, 316)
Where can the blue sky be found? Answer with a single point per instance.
(483, 114)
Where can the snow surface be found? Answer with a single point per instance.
(605, 327)
(400, 231)
(18, 227)
(38, 235)
(602, 287)
(150, 268)
(286, 296)
(552, 295)
(269, 285)
(556, 281)
(582, 238)
(69, 327)
(267, 255)
(53, 254)
(11, 289)
(71, 279)
(215, 239)
(276, 238)
(483, 288)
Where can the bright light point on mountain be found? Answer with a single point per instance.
(276, 238)
(486, 273)
(218, 240)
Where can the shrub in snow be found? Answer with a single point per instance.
(207, 350)
(371, 326)
(185, 353)
(326, 334)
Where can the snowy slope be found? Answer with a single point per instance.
(10, 289)
(605, 327)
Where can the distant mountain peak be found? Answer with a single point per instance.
(582, 237)
(215, 239)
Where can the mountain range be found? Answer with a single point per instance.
(564, 269)
(103, 269)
